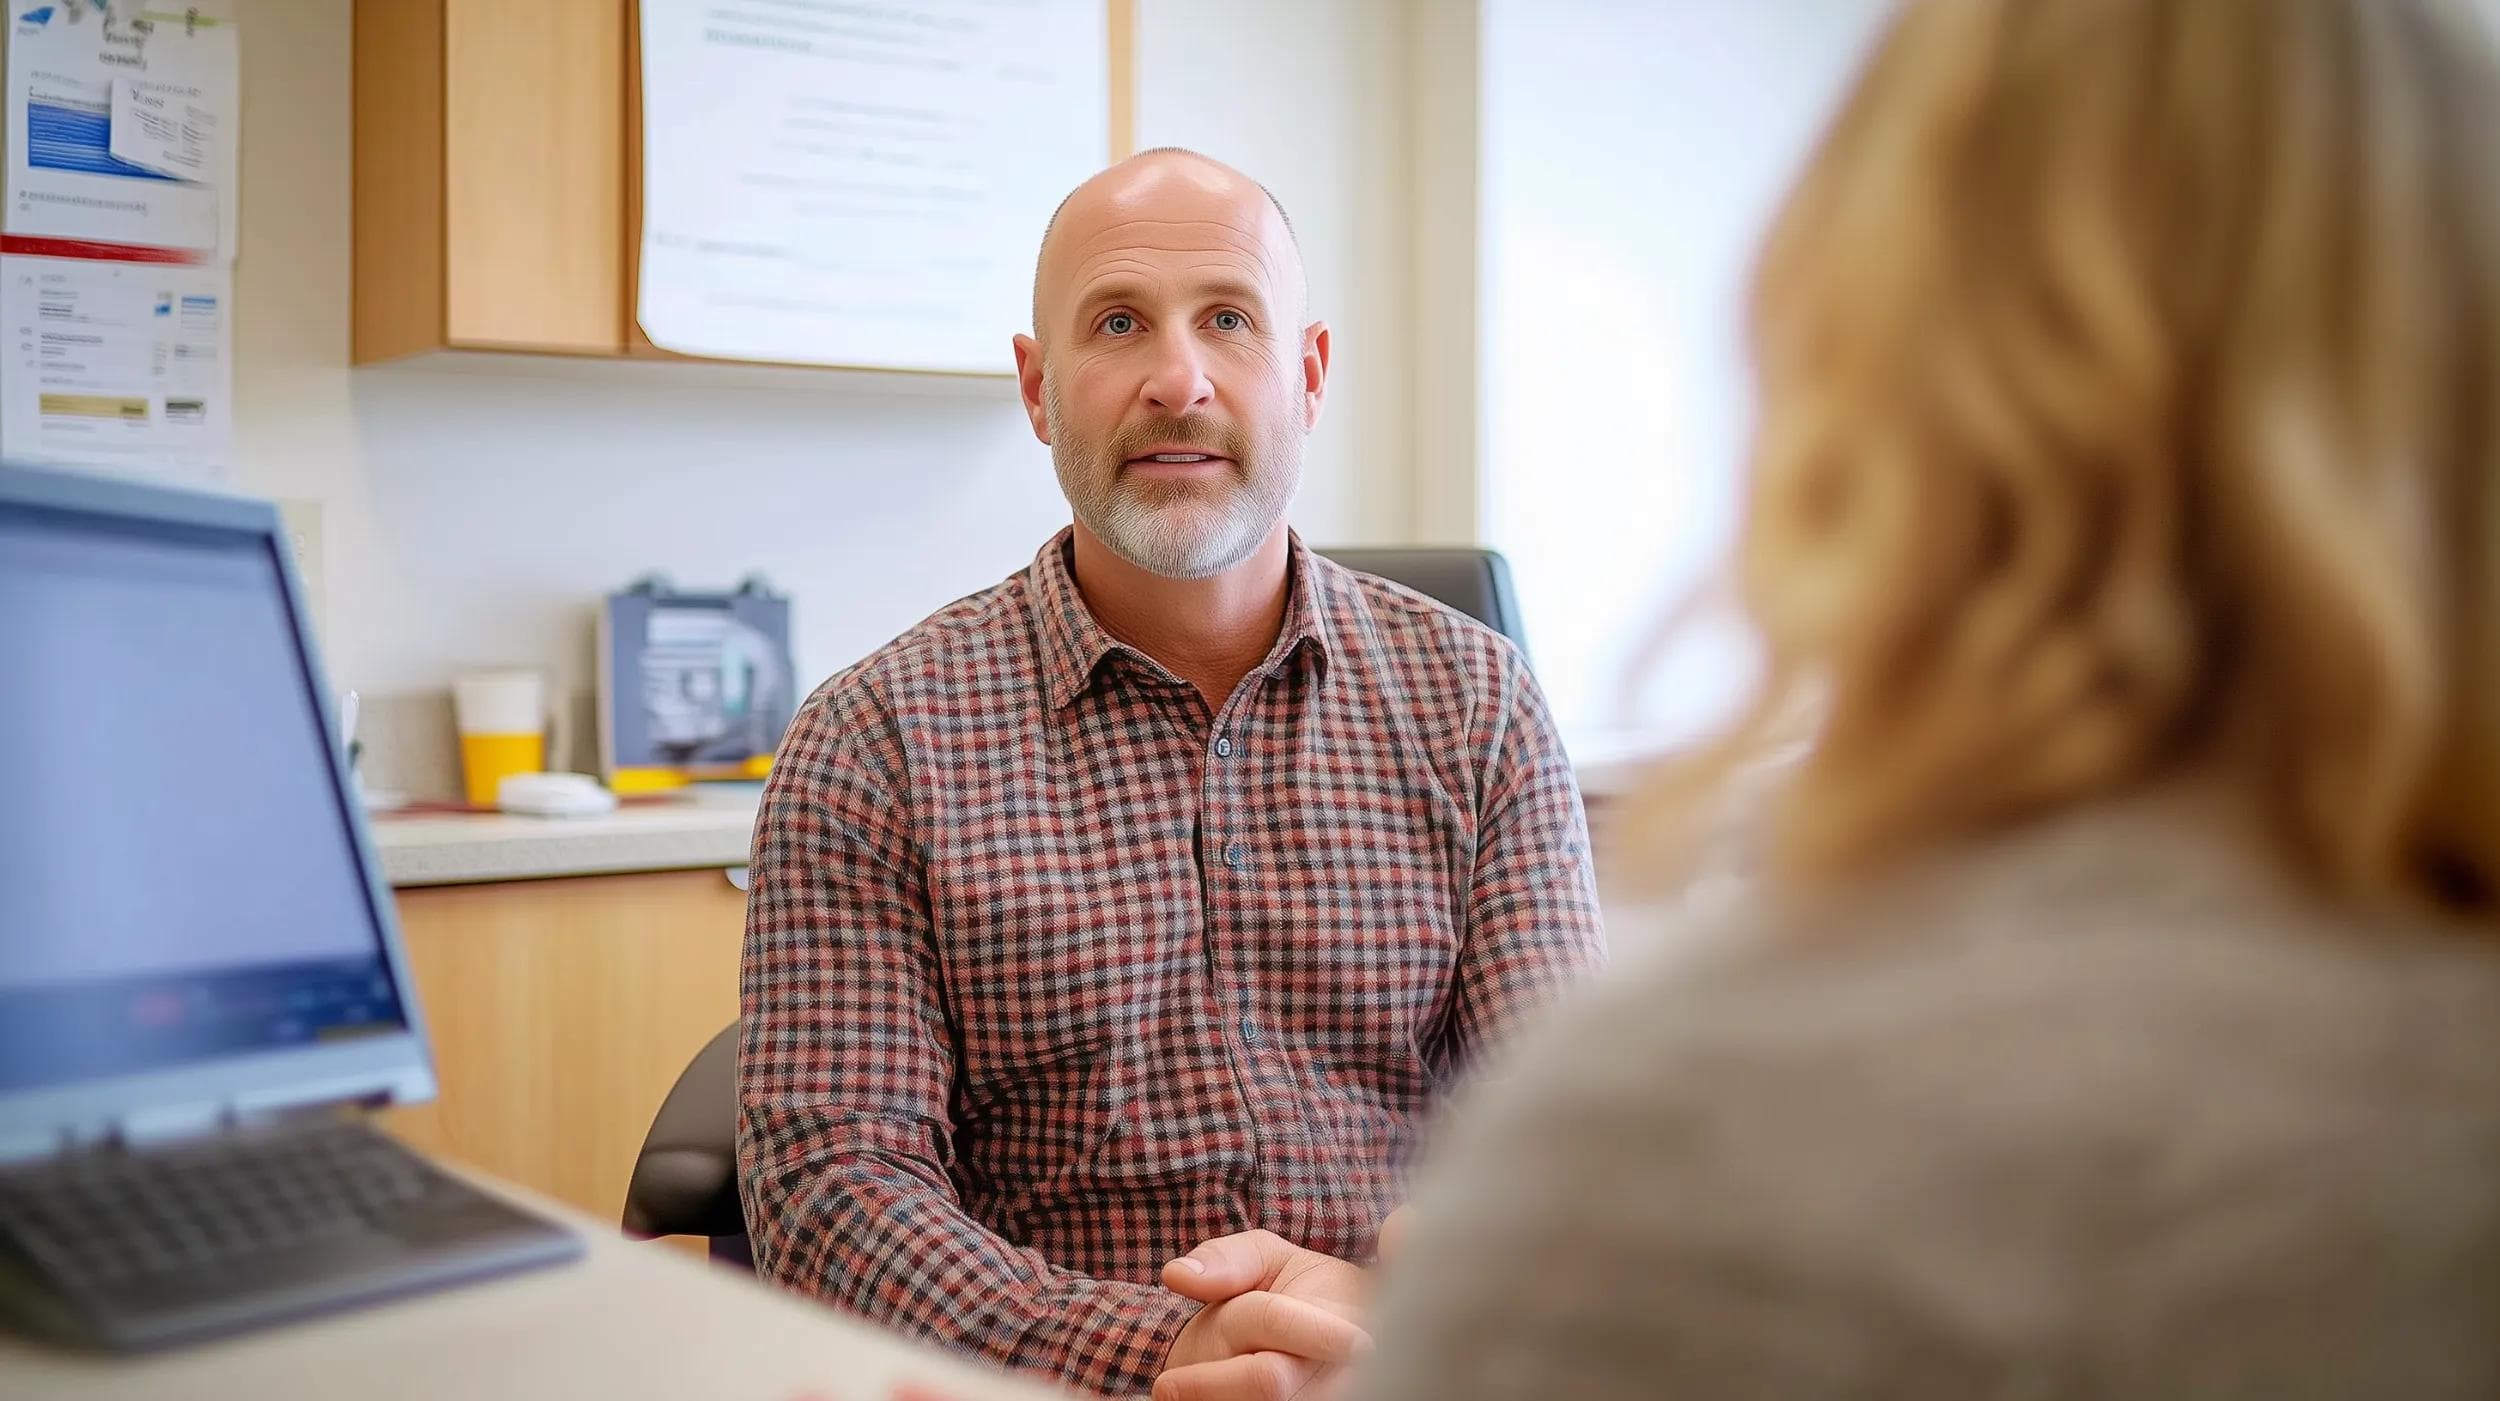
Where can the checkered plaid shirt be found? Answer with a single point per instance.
(1052, 974)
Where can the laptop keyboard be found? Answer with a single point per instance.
(102, 1220)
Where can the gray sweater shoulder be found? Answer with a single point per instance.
(2104, 1111)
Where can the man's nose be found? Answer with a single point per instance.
(1178, 382)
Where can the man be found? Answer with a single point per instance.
(1153, 896)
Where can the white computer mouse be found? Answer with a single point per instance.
(554, 795)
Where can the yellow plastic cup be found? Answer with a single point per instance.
(487, 760)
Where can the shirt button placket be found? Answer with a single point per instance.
(1235, 854)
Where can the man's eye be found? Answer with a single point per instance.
(1231, 321)
(1119, 323)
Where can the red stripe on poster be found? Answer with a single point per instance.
(30, 247)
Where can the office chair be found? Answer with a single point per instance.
(685, 1179)
(1475, 582)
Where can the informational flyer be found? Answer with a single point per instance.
(121, 365)
(167, 128)
(156, 168)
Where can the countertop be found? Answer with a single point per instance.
(707, 826)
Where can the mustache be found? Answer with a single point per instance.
(1188, 434)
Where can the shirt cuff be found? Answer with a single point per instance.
(1115, 1343)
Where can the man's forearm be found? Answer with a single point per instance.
(880, 1232)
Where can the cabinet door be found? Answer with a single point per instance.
(560, 1012)
(534, 175)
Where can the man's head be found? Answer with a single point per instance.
(1170, 369)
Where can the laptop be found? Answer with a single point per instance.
(202, 991)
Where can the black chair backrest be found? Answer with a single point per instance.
(686, 1177)
(1473, 581)
(685, 1180)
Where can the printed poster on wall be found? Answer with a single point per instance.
(113, 364)
(866, 190)
(117, 238)
(120, 125)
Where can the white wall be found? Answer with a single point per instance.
(1630, 156)
(1441, 191)
(475, 513)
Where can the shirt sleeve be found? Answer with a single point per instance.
(845, 1071)
(1532, 916)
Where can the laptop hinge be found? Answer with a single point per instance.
(161, 1128)
(153, 1128)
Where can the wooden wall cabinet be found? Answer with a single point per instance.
(560, 1013)
(490, 155)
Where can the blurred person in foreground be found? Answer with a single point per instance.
(2118, 1013)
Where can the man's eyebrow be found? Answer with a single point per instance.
(1232, 289)
(1129, 289)
(1116, 289)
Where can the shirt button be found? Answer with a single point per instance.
(1232, 855)
(1223, 746)
(1249, 1031)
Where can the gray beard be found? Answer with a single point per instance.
(1174, 530)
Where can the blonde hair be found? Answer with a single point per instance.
(2130, 401)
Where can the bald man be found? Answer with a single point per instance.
(1146, 902)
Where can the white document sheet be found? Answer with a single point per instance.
(165, 128)
(118, 365)
(67, 172)
(827, 183)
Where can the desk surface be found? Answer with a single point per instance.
(632, 1320)
(707, 826)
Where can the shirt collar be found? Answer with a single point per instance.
(1074, 644)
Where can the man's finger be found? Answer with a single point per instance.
(1264, 1322)
(1228, 1266)
(1256, 1376)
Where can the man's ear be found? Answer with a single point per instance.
(1314, 372)
(1029, 384)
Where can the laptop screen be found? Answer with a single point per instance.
(179, 877)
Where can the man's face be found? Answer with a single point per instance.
(1173, 378)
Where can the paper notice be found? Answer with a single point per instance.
(118, 365)
(844, 190)
(164, 127)
(64, 119)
